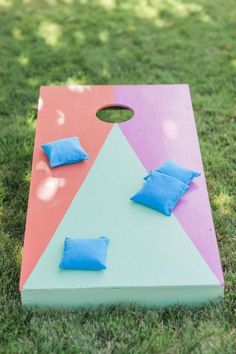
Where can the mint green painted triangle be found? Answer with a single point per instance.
(146, 247)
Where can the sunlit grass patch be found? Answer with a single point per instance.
(50, 32)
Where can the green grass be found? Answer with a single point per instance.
(57, 42)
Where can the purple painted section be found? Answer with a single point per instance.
(163, 127)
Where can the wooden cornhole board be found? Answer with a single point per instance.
(153, 259)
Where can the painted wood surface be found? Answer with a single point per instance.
(163, 128)
(63, 112)
(92, 198)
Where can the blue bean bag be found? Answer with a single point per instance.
(160, 192)
(172, 169)
(85, 253)
(64, 152)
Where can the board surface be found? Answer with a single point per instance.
(152, 259)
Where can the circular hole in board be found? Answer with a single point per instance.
(115, 113)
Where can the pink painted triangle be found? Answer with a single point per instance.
(163, 127)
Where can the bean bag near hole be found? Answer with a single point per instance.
(160, 192)
(172, 169)
(85, 253)
(64, 151)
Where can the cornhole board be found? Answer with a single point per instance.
(153, 260)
